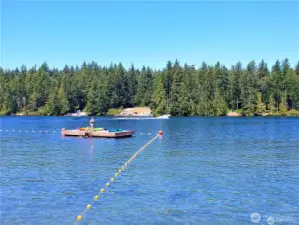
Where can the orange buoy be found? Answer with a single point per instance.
(160, 132)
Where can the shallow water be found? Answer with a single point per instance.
(201, 171)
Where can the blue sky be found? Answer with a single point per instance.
(147, 32)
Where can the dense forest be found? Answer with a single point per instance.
(210, 90)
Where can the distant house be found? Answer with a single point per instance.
(137, 111)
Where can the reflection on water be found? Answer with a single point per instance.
(91, 152)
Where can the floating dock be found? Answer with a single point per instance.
(100, 134)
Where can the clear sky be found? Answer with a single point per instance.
(147, 32)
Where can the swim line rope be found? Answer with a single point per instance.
(121, 169)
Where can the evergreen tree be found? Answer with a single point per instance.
(132, 85)
(219, 105)
(297, 69)
(283, 106)
(159, 97)
(103, 99)
(249, 89)
(271, 106)
(145, 87)
(52, 105)
(276, 82)
(92, 96)
(234, 86)
(260, 106)
(168, 82)
(176, 90)
(264, 81)
(63, 101)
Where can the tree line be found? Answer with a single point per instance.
(210, 90)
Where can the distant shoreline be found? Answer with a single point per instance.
(145, 112)
(124, 117)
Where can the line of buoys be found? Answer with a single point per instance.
(32, 131)
(112, 179)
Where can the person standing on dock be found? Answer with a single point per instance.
(91, 123)
(88, 132)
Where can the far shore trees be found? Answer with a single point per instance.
(211, 90)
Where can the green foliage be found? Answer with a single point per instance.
(179, 90)
(283, 110)
(145, 90)
(240, 111)
(249, 85)
(260, 106)
(159, 96)
(219, 105)
(271, 105)
(215, 107)
(57, 103)
(4, 112)
(293, 112)
(113, 112)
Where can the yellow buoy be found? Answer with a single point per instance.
(116, 174)
(107, 185)
(96, 198)
(119, 170)
(88, 206)
(79, 217)
(122, 167)
(112, 179)
(102, 190)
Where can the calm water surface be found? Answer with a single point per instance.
(202, 171)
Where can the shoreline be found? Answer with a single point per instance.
(146, 112)
(124, 117)
(140, 113)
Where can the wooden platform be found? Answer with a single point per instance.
(101, 134)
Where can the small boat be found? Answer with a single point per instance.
(166, 116)
(98, 132)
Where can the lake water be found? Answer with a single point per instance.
(201, 171)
